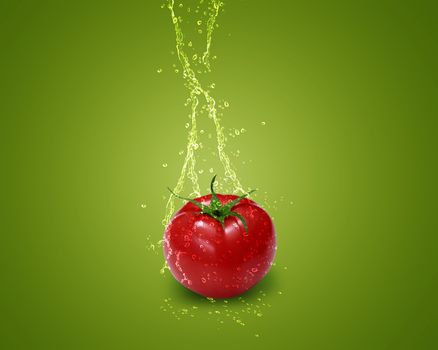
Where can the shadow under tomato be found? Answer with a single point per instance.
(178, 291)
(268, 284)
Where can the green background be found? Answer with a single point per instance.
(348, 92)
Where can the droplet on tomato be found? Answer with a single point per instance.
(203, 280)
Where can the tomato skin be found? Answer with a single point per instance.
(217, 263)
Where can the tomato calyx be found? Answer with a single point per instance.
(216, 209)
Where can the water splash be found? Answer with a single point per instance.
(242, 311)
(199, 100)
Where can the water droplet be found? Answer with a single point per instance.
(211, 170)
(195, 57)
(254, 269)
(180, 5)
(199, 31)
(201, 132)
(226, 104)
(213, 85)
(159, 70)
(174, 20)
(263, 123)
(181, 153)
(203, 280)
(190, 44)
(243, 130)
(195, 146)
(143, 206)
(201, 171)
(163, 269)
(257, 335)
(199, 22)
(187, 125)
(164, 165)
(237, 132)
(280, 292)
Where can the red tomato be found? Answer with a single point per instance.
(215, 260)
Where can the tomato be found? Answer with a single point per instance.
(219, 246)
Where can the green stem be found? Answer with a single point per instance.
(216, 210)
